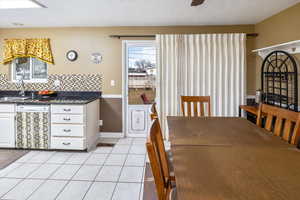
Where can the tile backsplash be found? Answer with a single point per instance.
(68, 82)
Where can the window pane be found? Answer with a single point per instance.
(39, 69)
(141, 74)
(22, 69)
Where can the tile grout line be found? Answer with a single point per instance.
(101, 168)
(81, 165)
(94, 180)
(141, 194)
(114, 190)
(26, 178)
(68, 181)
(4, 176)
(60, 165)
(22, 179)
(143, 178)
(41, 164)
(65, 159)
(44, 181)
(21, 163)
(128, 166)
(12, 188)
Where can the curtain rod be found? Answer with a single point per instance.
(153, 36)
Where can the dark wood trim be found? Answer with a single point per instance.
(252, 34)
(132, 36)
(153, 36)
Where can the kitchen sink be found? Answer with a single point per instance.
(13, 98)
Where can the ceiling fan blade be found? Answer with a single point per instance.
(197, 2)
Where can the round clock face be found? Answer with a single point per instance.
(72, 55)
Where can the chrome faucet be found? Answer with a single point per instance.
(22, 91)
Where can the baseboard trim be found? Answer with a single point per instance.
(111, 135)
(112, 96)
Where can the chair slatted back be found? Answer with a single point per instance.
(154, 114)
(159, 140)
(286, 124)
(156, 137)
(158, 161)
(156, 170)
(192, 104)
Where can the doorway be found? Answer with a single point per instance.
(139, 85)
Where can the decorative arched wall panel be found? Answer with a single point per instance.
(279, 80)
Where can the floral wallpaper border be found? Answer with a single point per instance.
(68, 82)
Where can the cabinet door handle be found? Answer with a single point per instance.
(67, 119)
(67, 110)
(67, 130)
(66, 143)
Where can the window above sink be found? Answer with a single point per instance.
(32, 70)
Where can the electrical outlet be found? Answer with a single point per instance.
(112, 83)
(100, 122)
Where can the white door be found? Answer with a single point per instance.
(138, 120)
(139, 85)
(7, 133)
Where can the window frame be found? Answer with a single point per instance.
(31, 80)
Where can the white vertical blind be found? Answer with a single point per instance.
(201, 65)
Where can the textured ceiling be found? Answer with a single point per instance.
(143, 13)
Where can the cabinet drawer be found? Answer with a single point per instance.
(68, 130)
(67, 109)
(7, 108)
(68, 143)
(67, 119)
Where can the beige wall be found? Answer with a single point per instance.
(280, 28)
(89, 40)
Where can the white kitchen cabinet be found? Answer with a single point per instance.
(7, 125)
(68, 143)
(65, 130)
(74, 127)
(138, 120)
(68, 109)
(67, 119)
(7, 108)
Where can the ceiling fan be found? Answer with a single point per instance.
(197, 2)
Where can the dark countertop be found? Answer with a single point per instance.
(61, 98)
(43, 102)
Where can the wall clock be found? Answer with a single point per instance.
(72, 55)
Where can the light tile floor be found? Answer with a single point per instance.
(107, 173)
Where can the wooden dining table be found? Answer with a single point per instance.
(220, 158)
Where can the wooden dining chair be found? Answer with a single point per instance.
(192, 104)
(154, 114)
(165, 156)
(159, 164)
(287, 122)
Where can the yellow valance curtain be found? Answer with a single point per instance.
(37, 48)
